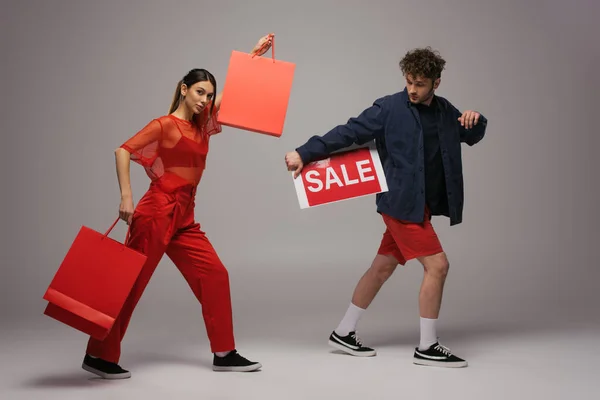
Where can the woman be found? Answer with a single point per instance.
(172, 149)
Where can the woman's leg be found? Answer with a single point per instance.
(149, 234)
(193, 254)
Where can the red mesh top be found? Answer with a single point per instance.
(172, 150)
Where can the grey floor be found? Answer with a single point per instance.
(169, 359)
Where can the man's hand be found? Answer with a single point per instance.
(294, 163)
(469, 119)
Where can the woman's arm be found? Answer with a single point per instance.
(142, 149)
(126, 208)
(262, 46)
(122, 159)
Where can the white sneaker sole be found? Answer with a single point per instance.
(104, 375)
(247, 368)
(352, 352)
(445, 364)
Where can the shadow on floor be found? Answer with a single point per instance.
(62, 381)
(133, 362)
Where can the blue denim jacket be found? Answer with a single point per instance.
(393, 123)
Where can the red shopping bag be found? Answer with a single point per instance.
(93, 282)
(256, 93)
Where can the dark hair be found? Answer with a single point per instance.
(423, 62)
(194, 76)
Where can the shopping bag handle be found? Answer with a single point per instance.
(272, 37)
(111, 228)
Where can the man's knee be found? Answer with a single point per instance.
(383, 266)
(436, 264)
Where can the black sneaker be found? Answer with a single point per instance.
(104, 369)
(350, 344)
(234, 362)
(438, 356)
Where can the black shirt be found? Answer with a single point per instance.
(435, 184)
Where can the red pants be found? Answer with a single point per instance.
(406, 241)
(164, 223)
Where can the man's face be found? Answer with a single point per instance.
(420, 89)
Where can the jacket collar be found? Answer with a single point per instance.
(404, 97)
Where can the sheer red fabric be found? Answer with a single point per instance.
(172, 150)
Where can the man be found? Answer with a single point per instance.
(418, 137)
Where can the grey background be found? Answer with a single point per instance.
(80, 77)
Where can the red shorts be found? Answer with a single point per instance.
(408, 240)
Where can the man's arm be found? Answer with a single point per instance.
(472, 126)
(358, 130)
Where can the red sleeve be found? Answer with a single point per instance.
(143, 146)
(210, 125)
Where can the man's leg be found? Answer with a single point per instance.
(383, 266)
(420, 241)
(430, 352)
(193, 254)
(430, 296)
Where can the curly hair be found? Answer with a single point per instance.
(423, 62)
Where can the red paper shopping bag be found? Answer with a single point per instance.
(345, 175)
(93, 282)
(256, 93)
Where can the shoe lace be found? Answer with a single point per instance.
(356, 339)
(443, 349)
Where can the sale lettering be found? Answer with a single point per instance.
(332, 178)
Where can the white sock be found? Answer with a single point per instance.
(350, 320)
(222, 353)
(428, 333)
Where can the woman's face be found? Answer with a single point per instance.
(198, 96)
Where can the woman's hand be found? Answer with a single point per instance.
(263, 45)
(126, 209)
